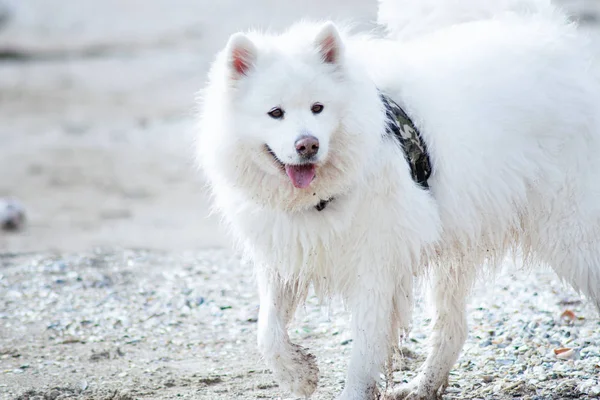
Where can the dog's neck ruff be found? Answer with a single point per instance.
(399, 125)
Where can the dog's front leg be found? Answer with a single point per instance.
(374, 324)
(294, 368)
(449, 333)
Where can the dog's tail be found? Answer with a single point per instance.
(409, 18)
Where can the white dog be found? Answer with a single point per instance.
(353, 164)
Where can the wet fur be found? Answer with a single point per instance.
(509, 107)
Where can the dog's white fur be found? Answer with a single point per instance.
(406, 19)
(509, 106)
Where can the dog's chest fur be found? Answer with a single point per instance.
(376, 225)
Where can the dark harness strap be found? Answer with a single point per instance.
(400, 126)
(404, 130)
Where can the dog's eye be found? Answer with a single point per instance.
(317, 108)
(276, 113)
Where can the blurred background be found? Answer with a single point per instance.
(97, 102)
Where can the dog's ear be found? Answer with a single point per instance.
(241, 53)
(329, 43)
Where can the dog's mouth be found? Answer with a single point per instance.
(301, 175)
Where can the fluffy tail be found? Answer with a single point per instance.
(409, 18)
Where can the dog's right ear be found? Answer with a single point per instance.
(241, 55)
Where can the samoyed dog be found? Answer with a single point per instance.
(354, 165)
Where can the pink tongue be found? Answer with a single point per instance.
(301, 175)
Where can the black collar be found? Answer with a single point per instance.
(400, 126)
(323, 203)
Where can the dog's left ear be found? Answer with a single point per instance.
(329, 43)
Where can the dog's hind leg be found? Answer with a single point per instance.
(579, 265)
(568, 240)
(450, 289)
(585, 280)
(564, 229)
(294, 368)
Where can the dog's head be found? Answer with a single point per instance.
(286, 117)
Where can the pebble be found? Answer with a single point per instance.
(140, 307)
(12, 215)
(566, 354)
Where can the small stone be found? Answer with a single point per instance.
(169, 383)
(538, 370)
(569, 302)
(249, 314)
(12, 215)
(103, 355)
(566, 354)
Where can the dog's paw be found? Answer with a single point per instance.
(297, 371)
(368, 393)
(411, 391)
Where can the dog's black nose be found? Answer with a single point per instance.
(307, 146)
